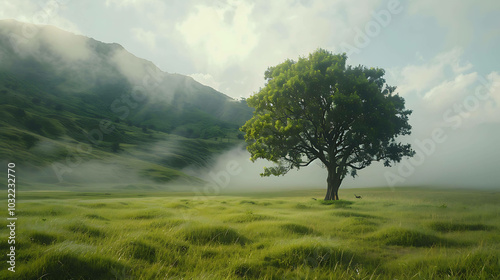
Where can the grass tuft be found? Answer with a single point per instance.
(301, 206)
(203, 235)
(357, 225)
(209, 254)
(337, 203)
(297, 229)
(247, 218)
(247, 202)
(42, 238)
(86, 230)
(96, 217)
(178, 206)
(410, 238)
(311, 255)
(145, 215)
(62, 266)
(94, 205)
(142, 251)
(247, 270)
(349, 214)
(476, 265)
(451, 227)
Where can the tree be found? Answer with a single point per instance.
(317, 108)
(115, 147)
(29, 140)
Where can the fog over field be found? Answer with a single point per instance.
(448, 165)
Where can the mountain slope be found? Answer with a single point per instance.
(62, 94)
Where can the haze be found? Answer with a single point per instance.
(443, 57)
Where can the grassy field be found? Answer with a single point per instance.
(407, 233)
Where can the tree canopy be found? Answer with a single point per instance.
(318, 108)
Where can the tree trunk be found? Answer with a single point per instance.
(333, 183)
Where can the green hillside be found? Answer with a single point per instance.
(101, 103)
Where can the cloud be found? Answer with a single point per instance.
(237, 41)
(47, 44)
(422, 77)
(207, 80)
(148, 38)
(45, 13)
(220, 34)
(133, 68)
(71, 48)
(459, 18)
(122, 3)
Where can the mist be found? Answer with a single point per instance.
(467, 158)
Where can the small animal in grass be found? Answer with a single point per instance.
(314, 198)
(357, 196)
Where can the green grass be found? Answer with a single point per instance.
(410, 238)
(203, 235)
(401, 234)
(451, 226)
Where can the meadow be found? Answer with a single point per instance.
(402, 233)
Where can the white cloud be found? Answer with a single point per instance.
(491, 87)
(70, 48)
(45, 13)
(451, 90)
(220, 34)
(207, 80)
(248, 38)
(446, 88)
(148, 38)
(124, 3)
(35, 40)
(423, 77)
(132, 68)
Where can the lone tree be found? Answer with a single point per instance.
(319, 108)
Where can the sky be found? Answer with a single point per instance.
(442, 56)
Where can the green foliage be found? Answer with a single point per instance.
(29, 140)
(115, 147)
(33, 124)
(320, 108)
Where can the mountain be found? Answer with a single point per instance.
(63, 95)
